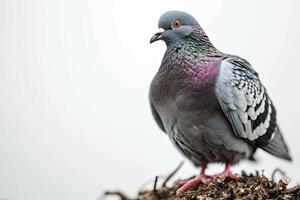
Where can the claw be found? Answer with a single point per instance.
(186, 184)
(204, 179)
(227, 174)
(182, 182)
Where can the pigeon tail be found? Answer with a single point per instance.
(278, 147)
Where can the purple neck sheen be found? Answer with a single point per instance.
(200, 77)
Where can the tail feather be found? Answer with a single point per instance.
(277, 146)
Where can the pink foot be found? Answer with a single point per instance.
(204, 179)
(186, 184)
(227, 174)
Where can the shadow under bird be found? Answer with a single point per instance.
(212, 105)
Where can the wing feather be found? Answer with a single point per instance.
(244, 100)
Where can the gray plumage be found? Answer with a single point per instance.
(212, 105)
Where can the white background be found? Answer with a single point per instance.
(74, 78)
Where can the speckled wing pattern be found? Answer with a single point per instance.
(245, 101)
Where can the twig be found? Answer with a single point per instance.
(155, 184)
(172, 174)
(277, 170)
(120, 194)
(292, 190)
(154, 188)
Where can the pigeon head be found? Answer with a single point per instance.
(176, 26)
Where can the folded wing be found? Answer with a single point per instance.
(249, 109)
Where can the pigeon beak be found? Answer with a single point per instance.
(156, 36)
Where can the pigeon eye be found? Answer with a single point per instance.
(176, 23)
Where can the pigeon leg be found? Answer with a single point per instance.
(227, 173)
(186, 184)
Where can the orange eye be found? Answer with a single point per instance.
(176, 23)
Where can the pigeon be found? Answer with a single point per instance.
(211, 105)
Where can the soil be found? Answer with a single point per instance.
(249, 186)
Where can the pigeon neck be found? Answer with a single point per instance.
(194, 48)
(199, 42)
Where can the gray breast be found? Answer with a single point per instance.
(199, 129)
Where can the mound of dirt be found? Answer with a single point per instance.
(251, 186)
(248, 187)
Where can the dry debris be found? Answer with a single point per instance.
(252, 187)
